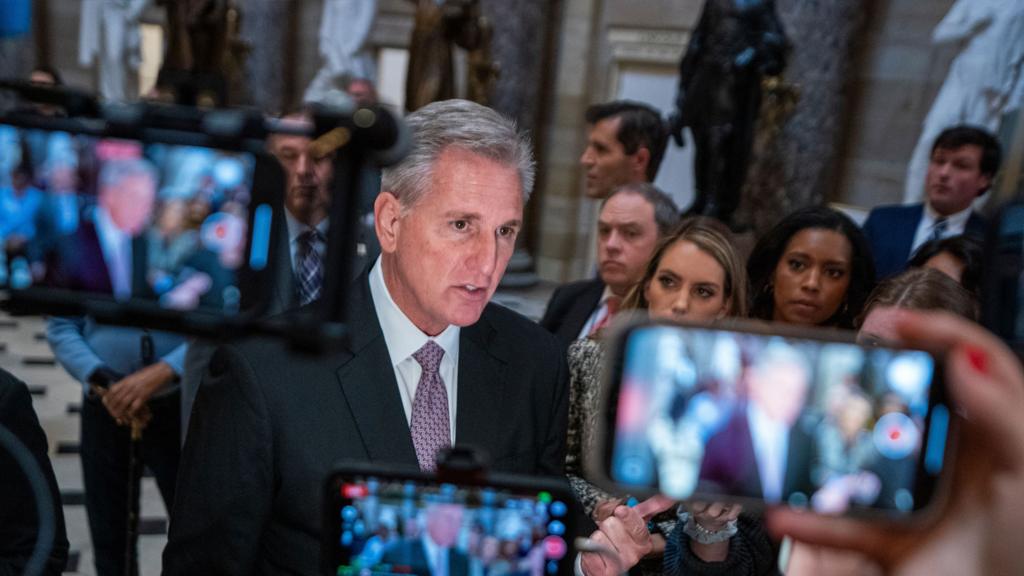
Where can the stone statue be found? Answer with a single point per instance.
(439, 26)
(345, 27)
(109, 30)
(735, 44)
(985, 81)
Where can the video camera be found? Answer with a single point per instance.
(195, 195)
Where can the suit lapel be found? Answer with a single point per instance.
(368, 382)
(906, 231)
(481, 387)
(581, 311)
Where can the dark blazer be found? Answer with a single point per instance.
(19, 520)
(269, 423)
(78, 263)
(730, 463)
(890, 231)
(412, 554)
(570, 307)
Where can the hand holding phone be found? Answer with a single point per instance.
(978, 530)
(806, 418)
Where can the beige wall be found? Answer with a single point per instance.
(900, 73)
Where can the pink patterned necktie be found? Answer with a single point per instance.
(430, 425)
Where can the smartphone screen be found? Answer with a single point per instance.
(383, 524)
(828, 425)
(125, 219)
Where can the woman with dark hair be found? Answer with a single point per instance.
(959, 257)
(813, 268)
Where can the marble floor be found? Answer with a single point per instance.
(57, 398)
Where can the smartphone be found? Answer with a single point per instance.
(804, 418)
(170, 226)
(400, 521)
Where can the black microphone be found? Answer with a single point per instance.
(384, 136)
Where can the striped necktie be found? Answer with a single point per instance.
(310, 270)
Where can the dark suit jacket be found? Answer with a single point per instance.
(268, 424)
(19, 519)
(79, 265)
(570, 307)
(730, 462)
(890, 231)
(412, 554)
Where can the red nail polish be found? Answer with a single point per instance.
(978, 358)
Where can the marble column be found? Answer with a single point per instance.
(520, 47)
(795, 166)
(264, 28)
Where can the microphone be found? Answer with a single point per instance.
(385, 136)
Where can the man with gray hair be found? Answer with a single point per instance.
(633, 219)
(429, 362)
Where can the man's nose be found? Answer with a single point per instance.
(612, 242)
(587, 159)
(484, 258)
(304, 165)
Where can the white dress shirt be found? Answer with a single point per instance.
(598, 315)
(955, 226)
(403, 339)
(117, 254)
(770, 440)
(437, 557)
(296, 229)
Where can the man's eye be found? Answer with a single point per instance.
(460, 224)
(506, 231)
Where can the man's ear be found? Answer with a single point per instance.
(387, 212)
(986, 185)
(641, 160)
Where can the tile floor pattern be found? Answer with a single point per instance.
(56, 399)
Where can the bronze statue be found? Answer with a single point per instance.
(438, 28)
(203, 42)
(735, 44)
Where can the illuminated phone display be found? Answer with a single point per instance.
(829, 425)
(159, 222)
(421, 527)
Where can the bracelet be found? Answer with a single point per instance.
(702, 535)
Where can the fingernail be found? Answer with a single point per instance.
(978, 358)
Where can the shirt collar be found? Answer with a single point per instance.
(296, 228)
(106, 228)
(955, 221)
(402, 337)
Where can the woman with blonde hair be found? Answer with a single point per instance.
(695, 275)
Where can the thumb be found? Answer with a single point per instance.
(653, 506)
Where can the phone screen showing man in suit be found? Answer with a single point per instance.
(829, 425)
(389, 525)
(133, 220)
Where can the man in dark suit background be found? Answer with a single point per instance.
(298, 248)
(763, 450)
(964, 161)
(429, 362)
(127, 374)
(434, 552)
(633, 219)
